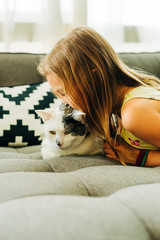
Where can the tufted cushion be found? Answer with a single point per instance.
(20, 125)
(125, 215)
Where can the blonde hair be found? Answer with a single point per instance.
(91, 71)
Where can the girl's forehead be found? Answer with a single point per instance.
(53, 77)
(55, 82)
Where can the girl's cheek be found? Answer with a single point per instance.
(64, 100)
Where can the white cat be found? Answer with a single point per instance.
(66, 133)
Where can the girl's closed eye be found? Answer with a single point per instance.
(59, 94)
(62, 94)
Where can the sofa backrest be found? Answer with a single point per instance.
(21, 68)
(149, 62)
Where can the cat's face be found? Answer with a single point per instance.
(64, 126)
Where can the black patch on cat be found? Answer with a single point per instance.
(76, 128)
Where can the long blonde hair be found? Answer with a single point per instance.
(91, 71)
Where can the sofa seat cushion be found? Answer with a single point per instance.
(90, 181)
(29, 159)
(131, 213)
(29, 152)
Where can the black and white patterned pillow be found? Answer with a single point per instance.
(19, 124)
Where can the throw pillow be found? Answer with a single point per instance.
(19, 124)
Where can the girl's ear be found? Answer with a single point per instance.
(45, 115)
(79, 116)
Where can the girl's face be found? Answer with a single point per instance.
(58, 89)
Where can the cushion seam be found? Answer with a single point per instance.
(73, 174)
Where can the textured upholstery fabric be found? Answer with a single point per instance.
(29, 159)
(123, 216)
(74, 197)
(19, 69)
(148, 62)
(91, 181)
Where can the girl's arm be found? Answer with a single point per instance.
(129, 155)
(153, 159)
(141, 117)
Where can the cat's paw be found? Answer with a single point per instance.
(49, 155)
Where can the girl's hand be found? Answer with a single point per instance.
(125, 153)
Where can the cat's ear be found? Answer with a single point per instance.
(79, 116)
(45, 114)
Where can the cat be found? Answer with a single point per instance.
(67, 133)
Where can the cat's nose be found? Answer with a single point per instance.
(58, 142)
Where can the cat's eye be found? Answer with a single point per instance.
(67, 132)
(52, 132)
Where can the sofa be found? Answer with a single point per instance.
(72, 197)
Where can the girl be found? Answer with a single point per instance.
(122, 105)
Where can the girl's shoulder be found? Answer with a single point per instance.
(140, 118)
(139, 105)
(145, 92)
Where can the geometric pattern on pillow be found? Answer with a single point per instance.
(19, 124)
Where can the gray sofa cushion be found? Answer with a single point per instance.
(91, 181)
(19, 69)
(149, 62)
(125, 215)
(29, 159)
